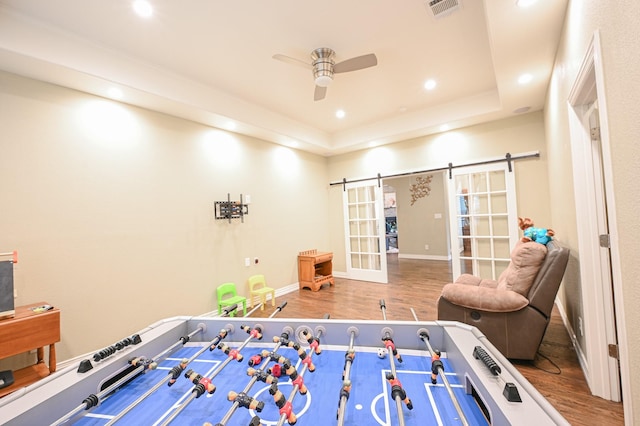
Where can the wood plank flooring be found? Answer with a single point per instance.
(417, 284)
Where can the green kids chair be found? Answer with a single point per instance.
(228, 296)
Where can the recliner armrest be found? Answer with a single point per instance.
(484, 298)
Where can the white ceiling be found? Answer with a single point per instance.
(211, 61)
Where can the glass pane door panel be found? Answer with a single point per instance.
(365, 232)
(483, 247)
(500, 225)
(498, 203)
(497, 181)
(479, 182)
(480, 205)
(483, 211)
(482, 225)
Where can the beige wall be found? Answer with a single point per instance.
(620, 41)
(520, 134)
(417, 225)
(111, 210)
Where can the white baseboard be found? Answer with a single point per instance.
(582, 359)
(422, 257)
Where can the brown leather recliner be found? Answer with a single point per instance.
(513, 312)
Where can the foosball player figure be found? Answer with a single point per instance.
(262, 376)
(282, 403)
(221, 335)
(391, 347)
(283, 339)
(148, 364)
(345, 390)
(232, 353)
(176, 371)
(203, 384)
(255, 360)
(397, 390)
(256, 333)
(275, 357)
(296, 379)
(302, 354)
(349, 356)
(245, 401)
(436, 365)
(276, 370)
(314, 342)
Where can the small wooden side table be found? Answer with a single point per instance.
(26, 331)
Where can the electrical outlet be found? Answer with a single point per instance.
(426, 246)
(247, 261)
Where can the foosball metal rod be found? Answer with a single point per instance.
(94, 399)
(217, 371)
(445, 381)
(253, 380)
(278, 309)
(296, 387)
(383, 308)
(342, 406)
(158, 385)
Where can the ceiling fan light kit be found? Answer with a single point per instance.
(324, 67)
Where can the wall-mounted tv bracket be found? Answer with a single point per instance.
(231, 209)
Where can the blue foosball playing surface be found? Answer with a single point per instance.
(370, 401)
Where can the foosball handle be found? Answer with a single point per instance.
(382, 304)
(510, 390)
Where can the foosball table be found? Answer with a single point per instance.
(275, 371)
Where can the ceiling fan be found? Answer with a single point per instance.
(324, 67)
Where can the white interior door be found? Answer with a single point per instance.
(483, 218)
(365, 231)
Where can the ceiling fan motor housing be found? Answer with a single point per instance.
(323, 63)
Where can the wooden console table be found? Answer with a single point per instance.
(315, 269)
(26, 331)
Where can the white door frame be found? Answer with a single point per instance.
(374, 235)
(511, 213)
(598, 302)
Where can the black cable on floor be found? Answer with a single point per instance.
(558, 372)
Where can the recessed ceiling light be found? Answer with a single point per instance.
(522, 109)
(340, 113)
(143, 8)
(525, 78)
(430, 84)
(525, 3)
(444, 127)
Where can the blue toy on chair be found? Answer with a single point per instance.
(531, 233)
(228, 296)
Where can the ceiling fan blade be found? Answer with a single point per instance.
(357, 63)
(291, 60)
(319, 93)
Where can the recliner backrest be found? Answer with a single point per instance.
(543, 291)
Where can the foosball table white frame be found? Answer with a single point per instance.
(51, 398)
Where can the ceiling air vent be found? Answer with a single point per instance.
(441, 8)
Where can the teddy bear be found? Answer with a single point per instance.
(531, 233)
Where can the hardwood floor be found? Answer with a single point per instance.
(416, 284)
